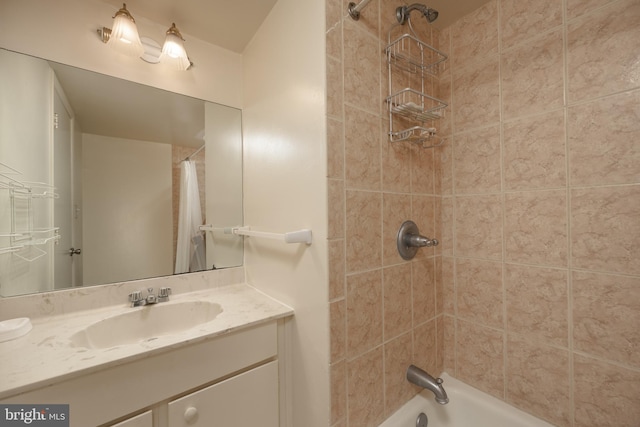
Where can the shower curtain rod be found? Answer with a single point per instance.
(194, 153)
(354, 10)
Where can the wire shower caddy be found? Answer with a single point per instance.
(410, 107)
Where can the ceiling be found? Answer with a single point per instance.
(107, 106)
(232, 23)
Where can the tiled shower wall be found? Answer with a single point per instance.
(384, 314)
(541, 207)
(534, 293)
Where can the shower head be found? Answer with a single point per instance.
(402, 12)
(431, 15)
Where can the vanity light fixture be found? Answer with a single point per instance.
(173, 52)
(124, 36)
(125, 39)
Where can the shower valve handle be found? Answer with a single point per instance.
(409, 240)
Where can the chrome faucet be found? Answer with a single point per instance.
(422, 379)
(136, 299)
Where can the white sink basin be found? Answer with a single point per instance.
(146, 324)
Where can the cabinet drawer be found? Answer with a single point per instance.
(143, 420)
(248, 399)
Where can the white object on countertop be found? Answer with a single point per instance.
(14, 328)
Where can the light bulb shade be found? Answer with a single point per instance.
(173, 51)
(124, 34)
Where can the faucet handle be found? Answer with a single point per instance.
(163, 294)
(135, 296)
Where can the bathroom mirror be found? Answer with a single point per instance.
(90, 177)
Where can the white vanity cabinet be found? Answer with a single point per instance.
(143, 420)
(219, 405)
(231, 380)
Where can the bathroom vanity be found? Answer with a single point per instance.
(228, 370)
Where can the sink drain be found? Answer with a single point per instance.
(422, 420)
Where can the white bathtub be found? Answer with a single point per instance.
(467, 407)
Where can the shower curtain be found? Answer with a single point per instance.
(190, 253)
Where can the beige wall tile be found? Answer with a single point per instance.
(335, 194)
(424, 292)
(338, 319)
(479, 357)
(423, 214)
(333, 11)
(605, 395)
(365, 385)
(577, 8)
(387, 17)
(338, 372)
(602, 51)
(534, 152)
(424, 342)
(521, 20)
(449, 345)
(479, 291)
(397, 358)
(446, 242)
(476, 95)
(364, 312)
(364, 230)
(445, 161)
(336, 269)
(362, 144)
(422, 170)
(448, 286)
(440, 344)
(439, 286)
(362, 62)
(601, 59)
(334, 37)
(478, 226)
(606, 316)
(335, 149)
(537, 303)
(397, 300)
(603, 141)
(396, 210)
(538, 380)
(396, 176)
(476, 161)
(437, 232)
(475, 36)
(334, 88)
(532, 76)
(443, 91)
(605, 231)
(536, 227)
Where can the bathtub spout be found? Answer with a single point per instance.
(422, 379)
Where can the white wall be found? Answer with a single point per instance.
(285, 187)
(65, 31)
(127, 218)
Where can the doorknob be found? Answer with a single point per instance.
(73, 251)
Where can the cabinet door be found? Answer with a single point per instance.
(143, 420)
(248, 399)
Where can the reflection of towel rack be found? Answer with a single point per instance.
(299, 236)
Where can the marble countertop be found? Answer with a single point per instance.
(46, 355)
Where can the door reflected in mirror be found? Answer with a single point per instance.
(94, 187)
